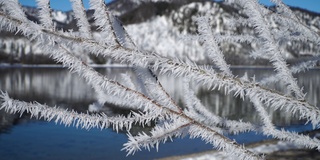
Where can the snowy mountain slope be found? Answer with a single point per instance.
(173, 23)
(162, 27)
(164, 33)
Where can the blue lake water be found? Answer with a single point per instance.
(24, 138)
(43, 140)
(48, 141)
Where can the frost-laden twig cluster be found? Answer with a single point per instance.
(149, 100)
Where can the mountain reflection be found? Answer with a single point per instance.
(57, 86)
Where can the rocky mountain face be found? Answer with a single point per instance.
(165, 28)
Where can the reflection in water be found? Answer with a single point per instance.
(50, 86)
(56, 86)
(236, 108)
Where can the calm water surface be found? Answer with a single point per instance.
(25, 138)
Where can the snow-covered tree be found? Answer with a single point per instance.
(149, 101)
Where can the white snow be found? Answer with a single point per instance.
(59, 16)
(279, 146)
(18, 46)
(261, 149)
(95, 107)
(160, 36)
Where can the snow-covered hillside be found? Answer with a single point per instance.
(167, 28)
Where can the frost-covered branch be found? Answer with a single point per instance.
(211, 45)
(269, 45)
(270, 130)
(63, 116)
(148, 100)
